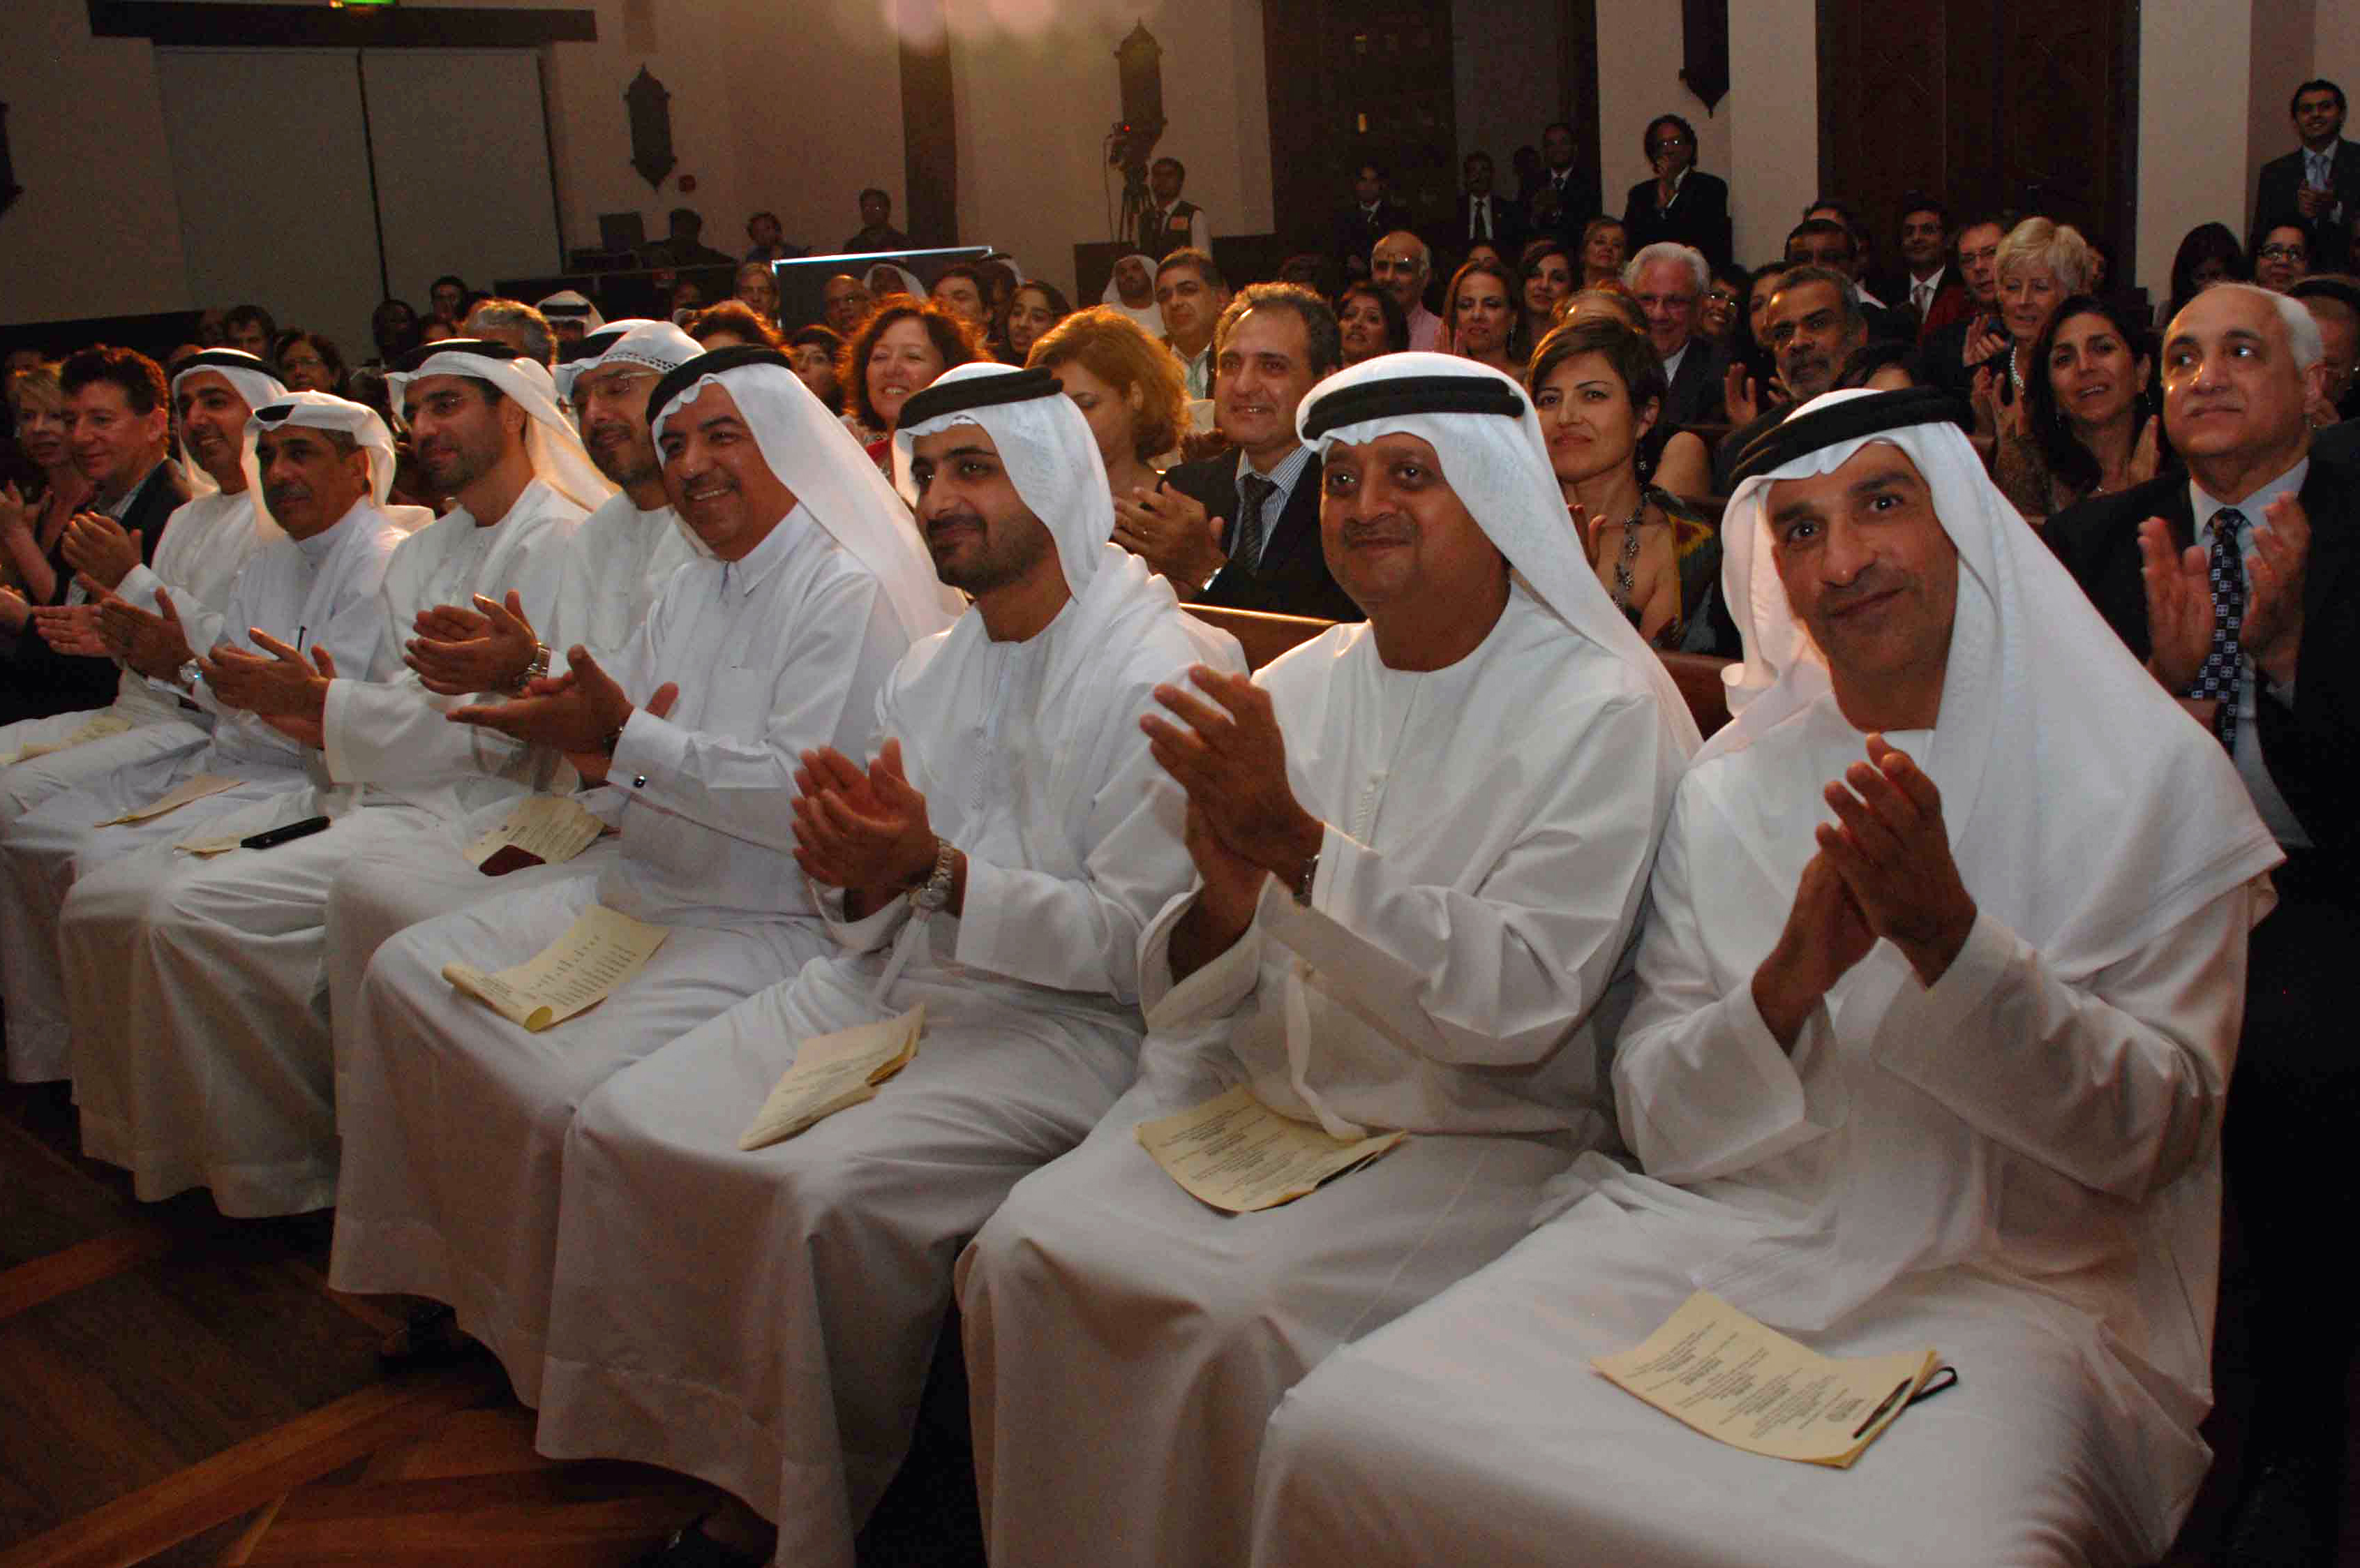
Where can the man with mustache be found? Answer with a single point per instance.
(1936, 1006)
(773, 641)
(1421, 844)
(234, 946)
(1814, 323)
(322, 467)
(992, 854)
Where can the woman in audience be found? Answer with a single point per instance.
(2209, 255)
(1479, 317)
(1598, 388)
(1604, 242)
(310, 363)
(1129, 386)
(2281, 256)
(814, 350)
(2040, 263)
(733, 324)
(2091, 427)
(1674, 460)
(900, 349)
(393, 327)
(687, 299)
(1033, 309)
(435, 329)
(1484, 250)
(1723, 305)
(1884, 364)
(1547, 274)
(756, 288)
(33, 521)
(1371, 323)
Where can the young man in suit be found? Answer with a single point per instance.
(1681, 204)
(1929, 288)
(1483, 214)
(1242, 530)
(2316, 184)
(2231, 581)
(1372, 215)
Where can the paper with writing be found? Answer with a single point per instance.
(1745, 1384)
(551, 829)
(1235, 1153)
(196, 788)
(598, 952)
(833, 1073)
(101, 725)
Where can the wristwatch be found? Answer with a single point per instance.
(534, 671)
(191, 676)
(1305, 878)
(936, 890)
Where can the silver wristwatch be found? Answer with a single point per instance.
(191, 676)
(936, 890)
(534, 671)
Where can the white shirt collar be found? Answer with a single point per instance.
(2254, 507)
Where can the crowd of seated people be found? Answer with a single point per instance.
(1934, 981)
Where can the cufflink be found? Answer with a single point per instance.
(640, 781)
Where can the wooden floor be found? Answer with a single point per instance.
(178, 1388)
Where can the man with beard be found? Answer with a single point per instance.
(1813, 324)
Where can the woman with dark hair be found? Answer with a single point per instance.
(1033, 309)
(900, 349)
(2209, 255)
(310, 363)
(1370, 322)
(1605, 246)
(1479, 316)
(1546, 270)
(1680, 203)
(1723, 305)
(1129, 386)
(814, 350)
(2092, 420)
(2281, 256)
(393, 326)
(1598, 388)
(732, 324)
(1884, 364)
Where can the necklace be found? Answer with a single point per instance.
(1625, 581)
(2015, 376)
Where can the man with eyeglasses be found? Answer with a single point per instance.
(2318, 184)
(1680, 204)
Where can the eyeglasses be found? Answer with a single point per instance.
(1662, 142)
(2286, 253)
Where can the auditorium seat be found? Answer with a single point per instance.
(1699, 677)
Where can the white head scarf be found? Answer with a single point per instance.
(2087, 813)
(250, 377)
(910, 284)
(1147, 315)
(659, 346)
(1051, 457)
(322, 411)
(814, 456)
(558, 459)
(1499, 467)
(569, 305)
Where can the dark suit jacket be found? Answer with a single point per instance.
(1695, 397)
(1950, 301)
(2312, 745)
(1698, 215)
(1733, 446)
(2273, 201)
(1357, 234)
(1508, 229)
(1291, 577)
(42, 681)
(1580, 202)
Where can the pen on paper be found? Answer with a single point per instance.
(1882, 1405)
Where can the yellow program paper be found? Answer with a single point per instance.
(100, 727)
(598, 952)
(196, 788)
(1746, 1385)
(834, 1072)
(550, 827)
(1237, 1154)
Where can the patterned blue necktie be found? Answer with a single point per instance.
(2221, 674)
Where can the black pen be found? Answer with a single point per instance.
(1884, 1405)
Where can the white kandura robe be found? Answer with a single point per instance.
(2017, 1168)
(616, 562)
(455, 1119)
(1490, 829)
(227, 986)
(765, 1321)
(322, 588)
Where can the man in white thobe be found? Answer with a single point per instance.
(1938, 1004)
(228, 972)
(453, 1118)
(1020, 811)
(320, 463)
(615, 564)
(1421, 847)
(171, 608)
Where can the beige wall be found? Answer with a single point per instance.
(1638, 78)
(2195, 63)
(2284, 38)
(1772, 113)
(1505, 65)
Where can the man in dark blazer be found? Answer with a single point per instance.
(2155, 562)
(117, 403)
(1241, 529)
(2318, 184)
(1566, 196)
(1482, 214)
(1681, 204)
(1372, 215)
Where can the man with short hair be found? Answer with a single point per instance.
(1241, 528)
(2230, 580)
(1669, 280)
(1172, 222)
(1946, 350)
(992, 855)
(876, 231)
(1372, 215)
(1814, 324)
(1485, 217)
(684, 245)
(1191, 294)
(1929, 1052)
(773, 643)
(845, 298)
(568, 314)
(1567, 198)
(517, 324)
(1421, 847)
(250, 329)
(959, 291)
(1403, 266)
(448, 297)
(767, 240)
(1832, 242)
(1678, 202)
(2316, 186)
(1929, 288)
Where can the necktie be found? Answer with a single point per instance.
(2222, 672)
(1245, 551)
(1921, 296)
(1483, 225)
